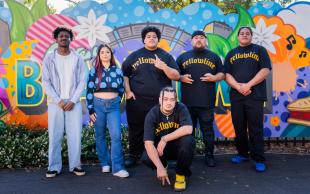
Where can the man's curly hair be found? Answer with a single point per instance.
(150, 29)
(60, 28)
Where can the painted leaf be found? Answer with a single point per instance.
(1, 106)
(21, 20)
(245, 19)
(218, 44)
(39, 9)
(6, 111)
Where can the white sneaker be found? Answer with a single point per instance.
(106, 169)
(122, 174)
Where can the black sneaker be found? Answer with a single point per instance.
(131, 161)
(209, 160)
(78, 171)
(51, 173)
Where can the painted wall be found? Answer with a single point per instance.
(282, 32)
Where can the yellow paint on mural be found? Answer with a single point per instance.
(19, 50)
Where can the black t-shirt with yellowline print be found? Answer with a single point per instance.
(145, 79)
(157, 125)
(243, 63)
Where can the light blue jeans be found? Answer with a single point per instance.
(58, 121)
(108, 114)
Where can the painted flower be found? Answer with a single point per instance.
(92, 28)
(264, 36)
(274, 121)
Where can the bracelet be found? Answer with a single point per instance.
(163, 139)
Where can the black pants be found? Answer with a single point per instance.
(180, 149)
(205, 117)
(249, 113)
(135, 121)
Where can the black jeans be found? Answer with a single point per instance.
(249, 113)
(180, 149)
(206, 118)
(135, 121)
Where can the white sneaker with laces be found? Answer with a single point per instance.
(122, 174)
(106, 169)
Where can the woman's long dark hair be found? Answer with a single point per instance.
(99, 66)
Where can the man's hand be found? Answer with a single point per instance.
(93, 117)
(160, 147)
(186, 79)
(208, 77)
(62, 105)
(69, 106)
(244, 88)
(247, 93)
(158, 63)
(129, 95)
(162, 175)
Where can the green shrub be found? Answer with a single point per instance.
(21, 147)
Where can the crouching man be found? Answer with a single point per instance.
(167, 136)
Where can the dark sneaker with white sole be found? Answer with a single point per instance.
(51, 173)
(78, 171)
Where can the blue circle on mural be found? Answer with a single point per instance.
(4, 83)
(25, 47)
(207, 14)
(18, 51)
(282, 93)
(183, 22)
(84, 4)
(267, 132)
(151, 10)
(302, 94)
(127, 1)
(265, 118)
(103, 85)
(191, 9)
(255, 10)
(194, 28)
(109, 7)
(278, 128)
(113, 18)
(5, 13)
(302, 69)
(277, 112)
(286, 103)
(33, 45)
(12, 86)
(139, 11)
(7, 54)
(220, 12)
(232, 19)
(13, 67)
(13, 93)
(157, 21)
(76, 12)
(301, 81)
(275, 101)
(166, 14)
(20, 42)
(285, 116)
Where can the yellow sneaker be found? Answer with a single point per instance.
(180, 183)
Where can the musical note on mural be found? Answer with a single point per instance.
(290, 45)
(303, 54)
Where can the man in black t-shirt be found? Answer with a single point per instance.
(200, 70)
(246, 67)
(146, 71)
(167, 136)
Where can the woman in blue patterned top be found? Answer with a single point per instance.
(105, 88)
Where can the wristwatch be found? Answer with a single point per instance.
(163, 139)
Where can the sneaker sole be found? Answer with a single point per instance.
(179, 190)
(121, 176)
(105, 171)
(241, 162)
(51, 175)
(79, 173)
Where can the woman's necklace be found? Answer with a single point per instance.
(167, 115)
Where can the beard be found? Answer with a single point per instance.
(201, 48)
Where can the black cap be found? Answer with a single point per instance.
(198, 32)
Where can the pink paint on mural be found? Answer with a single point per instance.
(42, 30)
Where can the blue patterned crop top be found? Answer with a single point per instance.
(112, 81)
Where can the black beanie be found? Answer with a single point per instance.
(198, 32)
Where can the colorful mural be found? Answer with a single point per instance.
(25, 38)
